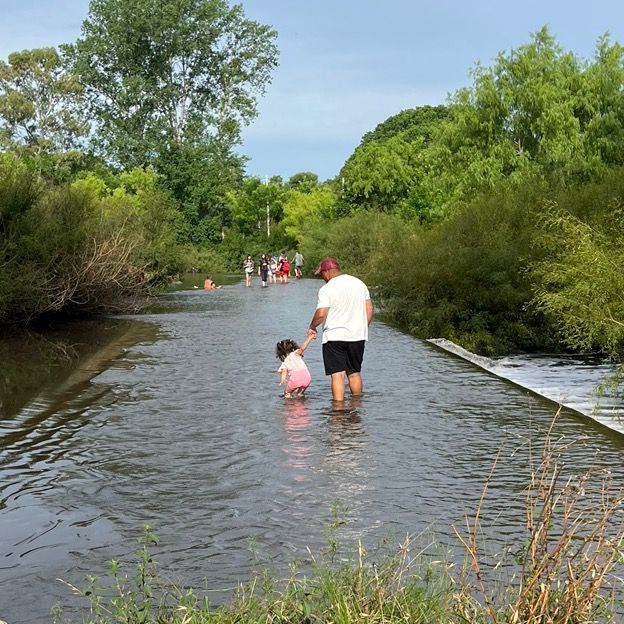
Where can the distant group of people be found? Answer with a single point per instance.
(272, 268)
(345, 310)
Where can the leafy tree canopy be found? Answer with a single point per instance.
(250, 204)
(413, 124)
(38, 104)
(537, 108)
(164, 72)
(386, 168)
(305, 209)
(304, 181)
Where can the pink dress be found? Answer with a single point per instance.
(298, 373)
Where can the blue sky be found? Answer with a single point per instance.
(346, 65)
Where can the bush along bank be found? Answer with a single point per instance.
(72, 249)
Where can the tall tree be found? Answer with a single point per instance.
(254, 203)
(161, 73)
(38, 104)
(304, 181)
(385, 171)
(538, 107)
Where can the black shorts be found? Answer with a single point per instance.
(339, 355)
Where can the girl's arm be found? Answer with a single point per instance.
(305, 344)
(283, 374)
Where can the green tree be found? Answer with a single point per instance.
(303, 181)
(163, 72)
(537, 108)
(305, 210)
(249, 206)
(579, 285)
(170, 84)
(199, 178)
(413, 124)
(601, 105)
(381, 175)
(385, 171)
(38, 104)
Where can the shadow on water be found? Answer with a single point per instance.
(43, 371)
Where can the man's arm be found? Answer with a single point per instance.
(319, 317)
(370, 312)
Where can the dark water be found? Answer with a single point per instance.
(174, 418)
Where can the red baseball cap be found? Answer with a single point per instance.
(327, 264)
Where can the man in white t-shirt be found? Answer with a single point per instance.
(345, 310)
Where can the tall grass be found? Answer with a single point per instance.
(570, 565)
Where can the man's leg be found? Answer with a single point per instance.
(355, 384)
(337, 386)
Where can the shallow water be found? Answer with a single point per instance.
(176, 420)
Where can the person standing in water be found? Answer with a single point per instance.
(284, 268)
(263, 270)
(345, 310)
(248, 267)
(273, 269)
(298, 264)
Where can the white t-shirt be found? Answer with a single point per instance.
(292, 362)
(346, 297)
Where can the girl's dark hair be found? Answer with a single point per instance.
(284, 347)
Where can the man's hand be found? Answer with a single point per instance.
(319, 317)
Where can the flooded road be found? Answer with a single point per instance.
(175, 419)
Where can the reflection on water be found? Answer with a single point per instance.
(59, 363)
(177, 420)
(296, 421)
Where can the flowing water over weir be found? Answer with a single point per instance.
(175, 419)
(578, 383)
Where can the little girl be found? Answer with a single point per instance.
(293, 369)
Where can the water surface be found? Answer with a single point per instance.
(176, 420)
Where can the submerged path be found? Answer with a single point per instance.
(179, 423)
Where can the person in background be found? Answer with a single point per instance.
(273, 264)
(294, 373)
(298, 264)
(263, 270)
(284, 268)
(248, 267)
(209, 284)
(345, 310)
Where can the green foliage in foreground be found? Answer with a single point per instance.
(565, 571)
(363, 589)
